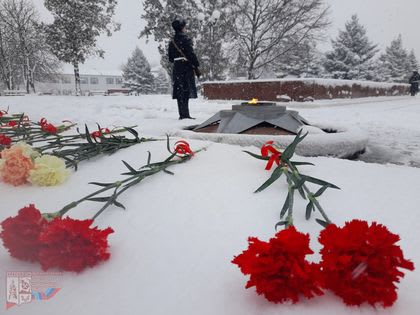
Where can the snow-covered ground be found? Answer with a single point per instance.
(172, 248)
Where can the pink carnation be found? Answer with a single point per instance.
(15, 166)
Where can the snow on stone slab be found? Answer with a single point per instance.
(172, 248)
(344, 143)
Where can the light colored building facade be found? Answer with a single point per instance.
(64, 84)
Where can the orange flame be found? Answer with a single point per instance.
(254, 101)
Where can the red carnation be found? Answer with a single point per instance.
(182, 147)
(267, 150)
(5, 140)
(12, 123)
(73, 245)
(99, 133)
(278, 268)
(360, 262)
(20, 234)
(47, 127)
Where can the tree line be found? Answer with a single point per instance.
(275, 38)
(245, 38)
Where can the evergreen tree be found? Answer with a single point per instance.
(76, 27)
(352, 54)
(395, 64)
(414, 64)
(136, 73)
(162, 82)
(304, 61)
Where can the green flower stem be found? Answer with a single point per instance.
(145, 171)
(309, 194)
(291, 191)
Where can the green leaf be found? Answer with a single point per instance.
(119, 205)
(281, 223)
(99, 199)
(87, 134)
(274, 176)
(101, 184)
(285, 206)
(322, 223)
(149, 157)
(260, 157)
(290, 150)
(132, 131)
(318, 181)
(168, 145)
(320, 191)
(301, 163)
(168, 172)
(309, 209)
(302, 193)
(130, 168)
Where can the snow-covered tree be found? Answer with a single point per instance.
(24, 55)
(76, 27)
(304, 61)
(395, 64)
(267, 30)
(414, 64)
(162, 82)
(136, 73)
(352, 54)
(209, 25)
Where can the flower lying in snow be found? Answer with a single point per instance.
(47, 127)
(182, 147)
(73, 245)
(360, 262)
(278, 269)
(67, 244)
(268, 150)
(5, 140)
(16, 162)
(48, 170)
(20, 234)
(100, 133)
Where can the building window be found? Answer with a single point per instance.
(66, 80)
(109, 80)
(94, 80)
(118, 80)
(84, 80)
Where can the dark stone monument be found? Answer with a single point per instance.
(254, 118)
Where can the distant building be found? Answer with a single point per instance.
(64, 84)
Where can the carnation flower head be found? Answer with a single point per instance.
(48, 170)
(27, 150)
(278, 268)
(5, 140)
(15, 164)
(73, 245)
(360, 262)
(20, 233)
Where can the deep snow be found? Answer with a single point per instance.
(172, 248)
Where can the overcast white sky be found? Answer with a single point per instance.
(384, 20)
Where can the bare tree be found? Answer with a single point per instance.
(24, 55)
(268, 29)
